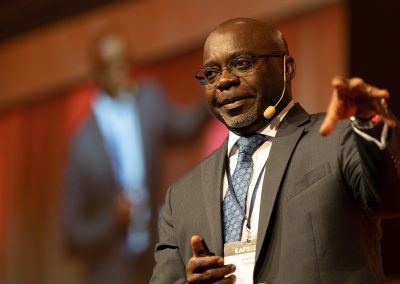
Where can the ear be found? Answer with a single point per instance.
(290, 68)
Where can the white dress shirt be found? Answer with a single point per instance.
(260, 157)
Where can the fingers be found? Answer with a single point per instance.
(377, 97)
(354, 97)
(209, 269)
(340, 83)
(383, 113)
(202, 265)
(341, 105)
(332, 116)
(228, 280)
(376, 93)
(357, 86)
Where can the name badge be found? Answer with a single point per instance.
(243, 256)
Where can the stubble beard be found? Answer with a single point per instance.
(239, 121)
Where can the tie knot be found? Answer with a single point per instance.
(248, 145)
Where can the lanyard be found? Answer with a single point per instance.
(253, 196)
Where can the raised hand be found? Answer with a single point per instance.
(354, 97)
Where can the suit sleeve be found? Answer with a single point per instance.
(180, 123)
(169, 266)
(374, 174)
(185, 123)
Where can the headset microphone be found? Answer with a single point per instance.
(269, 112)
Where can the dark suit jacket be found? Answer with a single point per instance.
(90, 230)
(321, 206)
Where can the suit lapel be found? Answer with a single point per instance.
(212, 173)
(282, 148)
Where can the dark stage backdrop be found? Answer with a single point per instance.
(375, 56)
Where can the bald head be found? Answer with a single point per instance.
(106, 47)
(110, 62)
(256, 31)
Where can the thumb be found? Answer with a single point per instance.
(196, 245)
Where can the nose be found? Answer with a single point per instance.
(226, 79)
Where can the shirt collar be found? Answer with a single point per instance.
(269, 130)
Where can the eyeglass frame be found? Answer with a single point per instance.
(228, 65)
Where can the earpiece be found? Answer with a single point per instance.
(270, 111)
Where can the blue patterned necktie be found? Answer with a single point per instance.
(233, 215)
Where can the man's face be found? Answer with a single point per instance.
(112, 65)
(239, 102)
(113, 75)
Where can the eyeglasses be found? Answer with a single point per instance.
(238, 66)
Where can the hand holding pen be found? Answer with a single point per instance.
(205, 267)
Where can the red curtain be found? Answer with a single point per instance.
(33, 142)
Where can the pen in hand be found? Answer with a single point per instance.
(206, 251)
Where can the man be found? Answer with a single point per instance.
(319, 187)
(112, 173)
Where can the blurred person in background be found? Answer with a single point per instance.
(110, 208)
